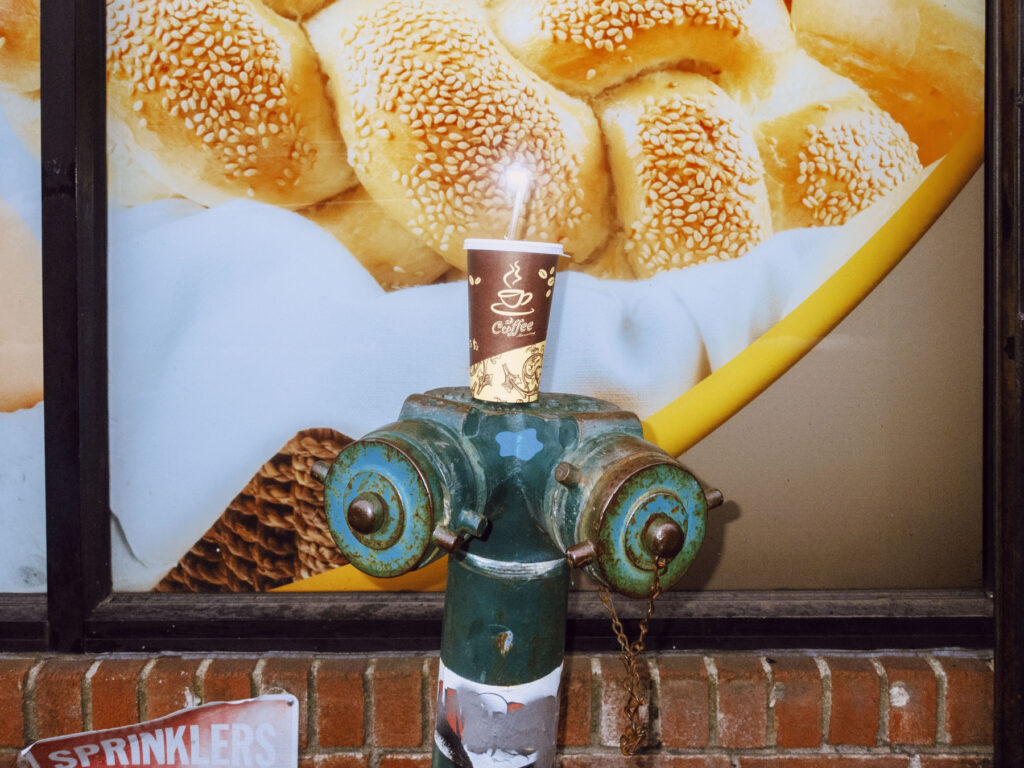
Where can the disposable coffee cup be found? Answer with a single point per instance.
(510, 287)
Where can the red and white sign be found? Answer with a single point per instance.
(254, 733)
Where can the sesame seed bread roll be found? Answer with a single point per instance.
(829, 152)
(394, 257)
(21, 313)
(435, 110)
(923, 61)
(19, 45)
(689, 181)
(585, 46)
(221, 99)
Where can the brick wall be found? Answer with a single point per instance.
(729, 710)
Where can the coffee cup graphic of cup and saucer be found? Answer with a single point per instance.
(510, 287)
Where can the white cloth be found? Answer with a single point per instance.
(231, 329)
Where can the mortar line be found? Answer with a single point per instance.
(87, 695)
(370, 730)
(654, 706)
(596, 700)
(141, 701)
(28, 711)
(826, 698)
(882, 735)
(712, 670)
(769, 674)
(941, 694)
(200, 681)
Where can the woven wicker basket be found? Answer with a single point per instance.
(273, 533)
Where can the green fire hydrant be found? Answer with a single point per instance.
(517, 495)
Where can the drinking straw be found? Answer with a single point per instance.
(518, 178)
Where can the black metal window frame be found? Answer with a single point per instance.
(80, 613)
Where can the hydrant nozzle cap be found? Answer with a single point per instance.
(366, 513)
(663, 537)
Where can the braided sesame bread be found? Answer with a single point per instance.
(222, 99)
(688, 178)
(21, 313)
(829, 152)
(920, 60)
(19, 45)
(435, 110)
(395, 257)
(585, 46)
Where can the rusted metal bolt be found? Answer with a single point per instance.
(320, 469)
(663, 537)
(366, 513)
(580, 554)
(446, 539)
(714, 497)
(567, 474)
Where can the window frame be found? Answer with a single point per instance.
(80, 613)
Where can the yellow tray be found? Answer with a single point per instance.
(705, 406)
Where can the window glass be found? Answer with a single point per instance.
(22, 505)
(291, 184)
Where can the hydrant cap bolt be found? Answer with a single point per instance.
(663, 537)
(366, 513)
(581, 554)
(567, 474)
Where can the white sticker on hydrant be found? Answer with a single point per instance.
(497, 726)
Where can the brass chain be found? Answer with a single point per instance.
(633, 737)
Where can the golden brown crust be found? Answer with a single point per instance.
(923, 61)
(394, 257)
(19, 45)
(831, 155)
(222, 99)
(435, 111)
(295, 9)
(585, 46)
(21, 314)
(688, 177)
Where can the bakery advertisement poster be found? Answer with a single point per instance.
(291, 183)
(251, 733)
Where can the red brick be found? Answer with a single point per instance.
(856, 696)
(404, 761)
(170, 685)
(13, 676)
(684, 702)
(913, 696)
(797, 695)
(289, 674)
(826, 761)
(335, 760)
(614, 722)
(228, 679)
(340, 702)
(742, 702)
(574, 704)
(114, 691)
(398, 702)
(644, 761)
(956, 761)
(968, 700)
(8, 757)
(58, 696)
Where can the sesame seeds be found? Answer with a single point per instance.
(609, 25)
(702, 184)
(467, 112)
(186, 62)
(847, 166)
